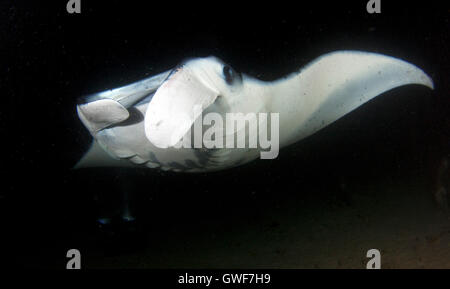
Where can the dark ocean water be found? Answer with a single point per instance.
(50, 58)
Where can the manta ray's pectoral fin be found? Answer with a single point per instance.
(334, 85)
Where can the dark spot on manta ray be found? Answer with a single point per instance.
(153, 158)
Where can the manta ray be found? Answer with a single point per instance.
(142, 124)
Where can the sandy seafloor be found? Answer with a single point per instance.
(395, 216)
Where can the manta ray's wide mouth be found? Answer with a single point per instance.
(176, 105)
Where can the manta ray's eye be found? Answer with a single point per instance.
(229, 74)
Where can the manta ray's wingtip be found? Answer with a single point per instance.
(429, 82)
(422, 78)
(413, 73)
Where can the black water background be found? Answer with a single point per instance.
(50, 58)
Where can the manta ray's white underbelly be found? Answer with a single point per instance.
(140, 123)
(128, 141)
